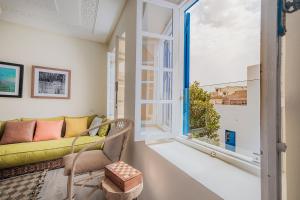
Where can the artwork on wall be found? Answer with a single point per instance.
(11, 79)
(50, 83)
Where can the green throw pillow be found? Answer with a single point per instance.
(90, 119)
(103, 131)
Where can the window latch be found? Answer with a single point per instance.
(290, 6)
(281, 147)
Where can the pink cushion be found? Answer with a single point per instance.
(48, 130)
(16, 132)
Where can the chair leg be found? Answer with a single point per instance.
(70, 188)
(68, 183)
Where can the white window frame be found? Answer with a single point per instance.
(139, 135)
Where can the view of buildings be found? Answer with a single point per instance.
(230, 95)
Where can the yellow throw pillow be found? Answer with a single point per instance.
(89, 120)
(75, 126)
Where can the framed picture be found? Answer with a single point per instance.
(11, 79)
(50, 83)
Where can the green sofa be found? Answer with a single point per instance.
(20, 154)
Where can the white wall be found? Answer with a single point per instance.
(244, 120)
(86, 60)
(292, 108)
(240, 119)
(162, 180)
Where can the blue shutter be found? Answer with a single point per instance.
(186, 93)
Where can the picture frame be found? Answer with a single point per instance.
(11, 79)
(50, 83)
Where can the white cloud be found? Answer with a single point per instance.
(225, 39)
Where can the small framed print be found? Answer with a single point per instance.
(50, 83)
(11, 79)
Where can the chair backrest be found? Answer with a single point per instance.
(115, 147)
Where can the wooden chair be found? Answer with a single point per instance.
(90, 164)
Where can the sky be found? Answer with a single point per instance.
(225, 39)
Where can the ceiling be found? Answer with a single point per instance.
(87, 19)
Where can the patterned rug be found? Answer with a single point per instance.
(25, 187)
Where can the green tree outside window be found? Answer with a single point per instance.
(204, 119)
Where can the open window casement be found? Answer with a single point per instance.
(116, 79)
(157, 96)
(119, 77)
(110, 84)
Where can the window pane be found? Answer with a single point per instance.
(147, 112)
(163, 87)
(166, 116)
(157, 53)
(121, 76)
(147, 75)
(167, 85)
(111, 85)
(156, 117)
(157, 19)
(147, 91)
(224, 76)
(167, 54)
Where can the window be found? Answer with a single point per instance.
(222, 75)
(168, 63)
(181, 83)
(116, 79)
(110, 84)
(120, 76)
(156, 100)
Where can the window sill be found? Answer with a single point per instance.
(226, 180)
(237, 160)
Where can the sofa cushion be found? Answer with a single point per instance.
(12, 155)
(88, 161)
(90, 119)
(103, 131)
(49, 119)
(96, 122)
(48, 130)
(2, 126)
(75, 126)
(1, 123)
(16, 132)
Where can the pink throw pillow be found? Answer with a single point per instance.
(48, 130)
(17, 132)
